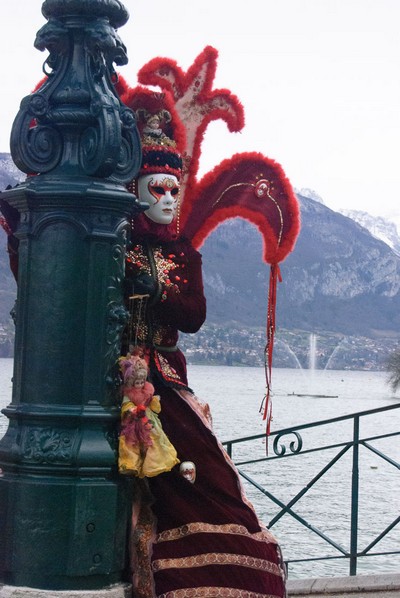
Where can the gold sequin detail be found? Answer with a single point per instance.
(164, 266)
(138, 258)
(167, 370)
(160, 333)
(163, 140)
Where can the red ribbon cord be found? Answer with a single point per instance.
(274, 277)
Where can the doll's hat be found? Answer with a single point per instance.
(159, 131)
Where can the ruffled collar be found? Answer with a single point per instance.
(144, 228)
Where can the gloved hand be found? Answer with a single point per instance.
(142, 284)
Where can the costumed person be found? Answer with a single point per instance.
(144, 449)
(194, 536)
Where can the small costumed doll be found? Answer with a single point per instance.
(144, 449)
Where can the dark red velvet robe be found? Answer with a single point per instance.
(201, 539)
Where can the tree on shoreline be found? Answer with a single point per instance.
(393, 367)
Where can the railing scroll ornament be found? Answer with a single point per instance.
(295, 446)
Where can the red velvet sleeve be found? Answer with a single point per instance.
(186, 309)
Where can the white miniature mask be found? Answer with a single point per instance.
(187, 469)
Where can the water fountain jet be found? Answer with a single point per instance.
(312, 357)
(334, 352)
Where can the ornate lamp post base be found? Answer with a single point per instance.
(115, 591)
(63, 508)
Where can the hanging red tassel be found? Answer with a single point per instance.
(275, 275)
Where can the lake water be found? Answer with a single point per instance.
(235, 394)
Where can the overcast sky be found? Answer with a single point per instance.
(319, 80)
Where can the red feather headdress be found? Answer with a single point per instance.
(247, 185)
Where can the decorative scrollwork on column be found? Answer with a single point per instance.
(295, 446)
(48, 445)
(75, 123)
(117, 315)
(39, 148)
(130, 141)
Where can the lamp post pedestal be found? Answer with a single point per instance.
(66, 508)
(114, 591)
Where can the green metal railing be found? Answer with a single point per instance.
(295, 449)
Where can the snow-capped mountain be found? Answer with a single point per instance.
(310, 193)
(9, 173)
(379, 227)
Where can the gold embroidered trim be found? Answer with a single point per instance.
(211, 592)
(217, 558)
(141, 539)
(209, 528)
(163, 366)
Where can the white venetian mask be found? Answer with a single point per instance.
(161, 192)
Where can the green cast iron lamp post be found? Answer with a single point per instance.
(64, 510)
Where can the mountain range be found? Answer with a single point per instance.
(339, 278)
(379, 227)
(341, 283)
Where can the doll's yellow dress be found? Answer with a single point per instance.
(144, 448)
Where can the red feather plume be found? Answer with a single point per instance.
(248, 185)
(195, 101)
(255, 188)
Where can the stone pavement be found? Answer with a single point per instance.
(359, 586)
(115, 591)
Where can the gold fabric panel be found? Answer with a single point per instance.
(217, 558)
(211, 592)
(209, 528)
